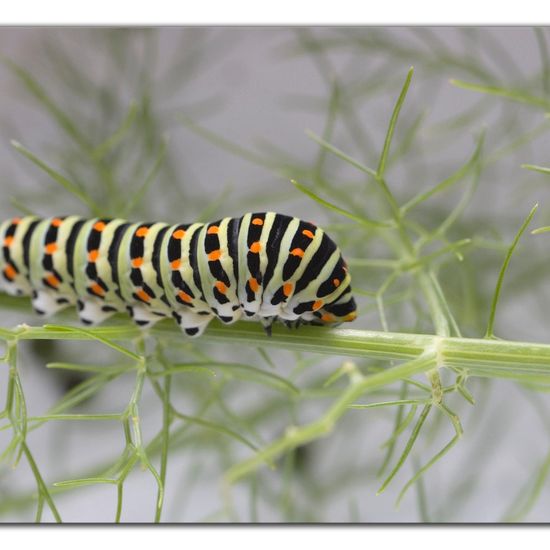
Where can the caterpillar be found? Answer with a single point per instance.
(262, 267)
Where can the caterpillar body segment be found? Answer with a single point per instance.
(260, 267)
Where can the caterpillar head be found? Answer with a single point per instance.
(335, 293)
(342, 310)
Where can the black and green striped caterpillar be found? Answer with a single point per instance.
(262, 266)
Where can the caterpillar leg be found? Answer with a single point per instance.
(296, 323)
(94, 312)
(144, 317)
(48, 302)
(17, 286)
(267, 323)
(192, 324)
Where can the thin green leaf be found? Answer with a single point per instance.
(515, 95)
(61, 180)
(75, 417)
(458, 433)
(43, 491)
(528, 497)
(428, 259)
(138, 195)
(71, 483)
(359, 219)
(267, 358)
(216, 427)
(490, 325)
(16, 203)
(408, 447)
(226, 145)
(544, 229)
(448, 182)
(336, 375)
(184, 368)
(535, 168)
(64, 121)
(341, 154)
(391, 128)
(116, 137)
(388, 403)
(100, 369)
(94, 336)
(237, 369)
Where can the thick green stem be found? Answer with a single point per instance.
(481, 357)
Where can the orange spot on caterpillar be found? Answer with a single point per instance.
(175, 264)
(327, 318)
(8, 241)
(336, 282)
(221, 286)
(97, 290)
(350, 316)
(137, 262)
(143, 295)
(253, 283)
(10, 272)
(213, 230)
(100, 226)
(308, 233)
(185, 297)
(15, 221)
(142, 231)
(93, 255)
(214, 255)
(297, 252)
(255, 247)
(178, 234)
(257, 221)
(56, 222)
(51, 248)
(287, 289)
(317, 305)
(52, 280)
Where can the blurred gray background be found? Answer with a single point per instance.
(261, 89)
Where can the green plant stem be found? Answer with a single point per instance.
(296, 436)
(166, 420)
(437, 313)
(480, 356)
(43, 492)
